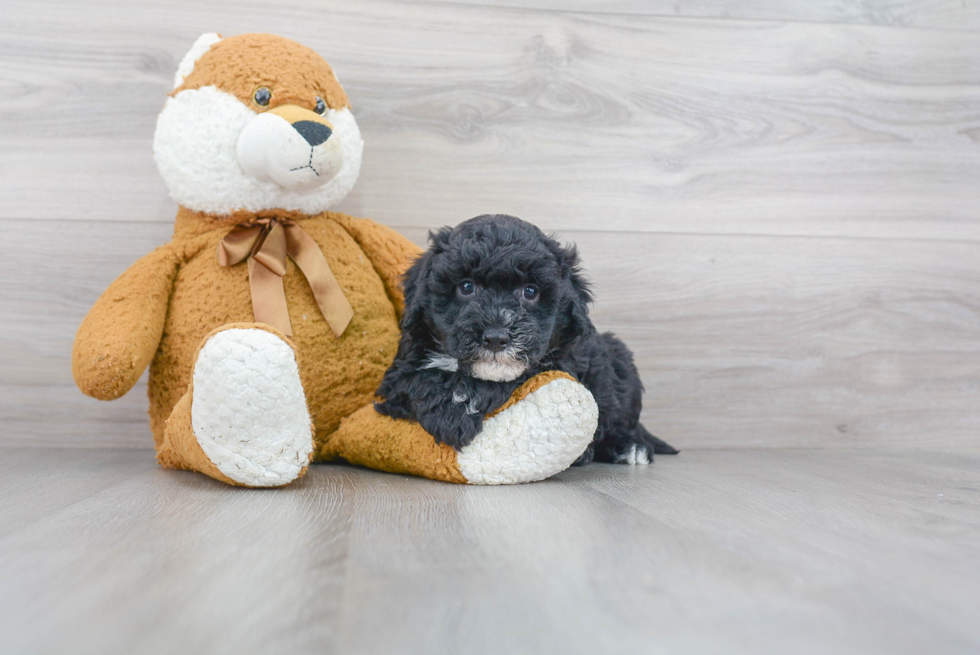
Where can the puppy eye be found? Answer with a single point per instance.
(262, 96)
(530, 292)
(321, 106)
(466, 288)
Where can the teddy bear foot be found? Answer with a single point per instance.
(244, 418)
(533, 436)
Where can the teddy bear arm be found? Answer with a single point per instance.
(390, 253)
(119, 336)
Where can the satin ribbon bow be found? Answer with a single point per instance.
(266, 243)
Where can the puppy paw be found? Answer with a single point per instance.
(453, 426)
(636, 454)
(636, 448)
(624, 450)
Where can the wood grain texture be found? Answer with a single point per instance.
(741, 341)
(573, 120)
(707, 552)
(791, 342)
(780, 216)
(933, 14)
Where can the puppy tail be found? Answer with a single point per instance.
(660, 447)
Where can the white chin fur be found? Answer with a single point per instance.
(196, 150)
(494, 371)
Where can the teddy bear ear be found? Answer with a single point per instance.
(202, 45)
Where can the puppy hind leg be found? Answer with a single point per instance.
(624, 446)
(634, 447)
(660, 447)
(624, 450)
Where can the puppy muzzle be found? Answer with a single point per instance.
(500, 357)
(494, 342)
(502, 366)
(292, 147)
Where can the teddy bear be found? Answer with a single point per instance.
(268, 320)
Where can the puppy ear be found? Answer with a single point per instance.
(575, 294)
(416, 278)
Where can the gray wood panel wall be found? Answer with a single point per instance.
(778, 201)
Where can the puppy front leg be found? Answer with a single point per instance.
(436, 399)
(454, 423)
(459, 422)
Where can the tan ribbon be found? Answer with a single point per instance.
(266, 243)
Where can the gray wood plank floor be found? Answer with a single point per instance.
(790, 551)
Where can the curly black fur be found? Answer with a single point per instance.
(493, 302)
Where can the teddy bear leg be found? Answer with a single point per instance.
(544, 426)
(243, 419)
(367, 438)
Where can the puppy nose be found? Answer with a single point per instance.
(314, 133)
(496, 339)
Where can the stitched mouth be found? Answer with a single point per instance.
(309, 165)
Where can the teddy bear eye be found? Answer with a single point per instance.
(466, 288)
(530, 292)
(321, 106)
(262, 96)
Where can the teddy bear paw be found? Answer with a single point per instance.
(249, 409)
(535, 438)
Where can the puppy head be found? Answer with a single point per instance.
(256, 122)
(494, 296)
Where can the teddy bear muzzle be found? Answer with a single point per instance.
(290, 146)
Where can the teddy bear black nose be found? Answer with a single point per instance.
(314, 133)
(496, 339)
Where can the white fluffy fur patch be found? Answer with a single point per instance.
(442, 362)
(249, 411)
(195, 147)
(535, 439)
(202, 45)
(636, 455)
(494, 371)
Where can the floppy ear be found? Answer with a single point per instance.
(575, 295)
(415, 279)
(412, 283)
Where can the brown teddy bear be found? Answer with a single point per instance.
(268, 321)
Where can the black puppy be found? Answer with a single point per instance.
(492, 303)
